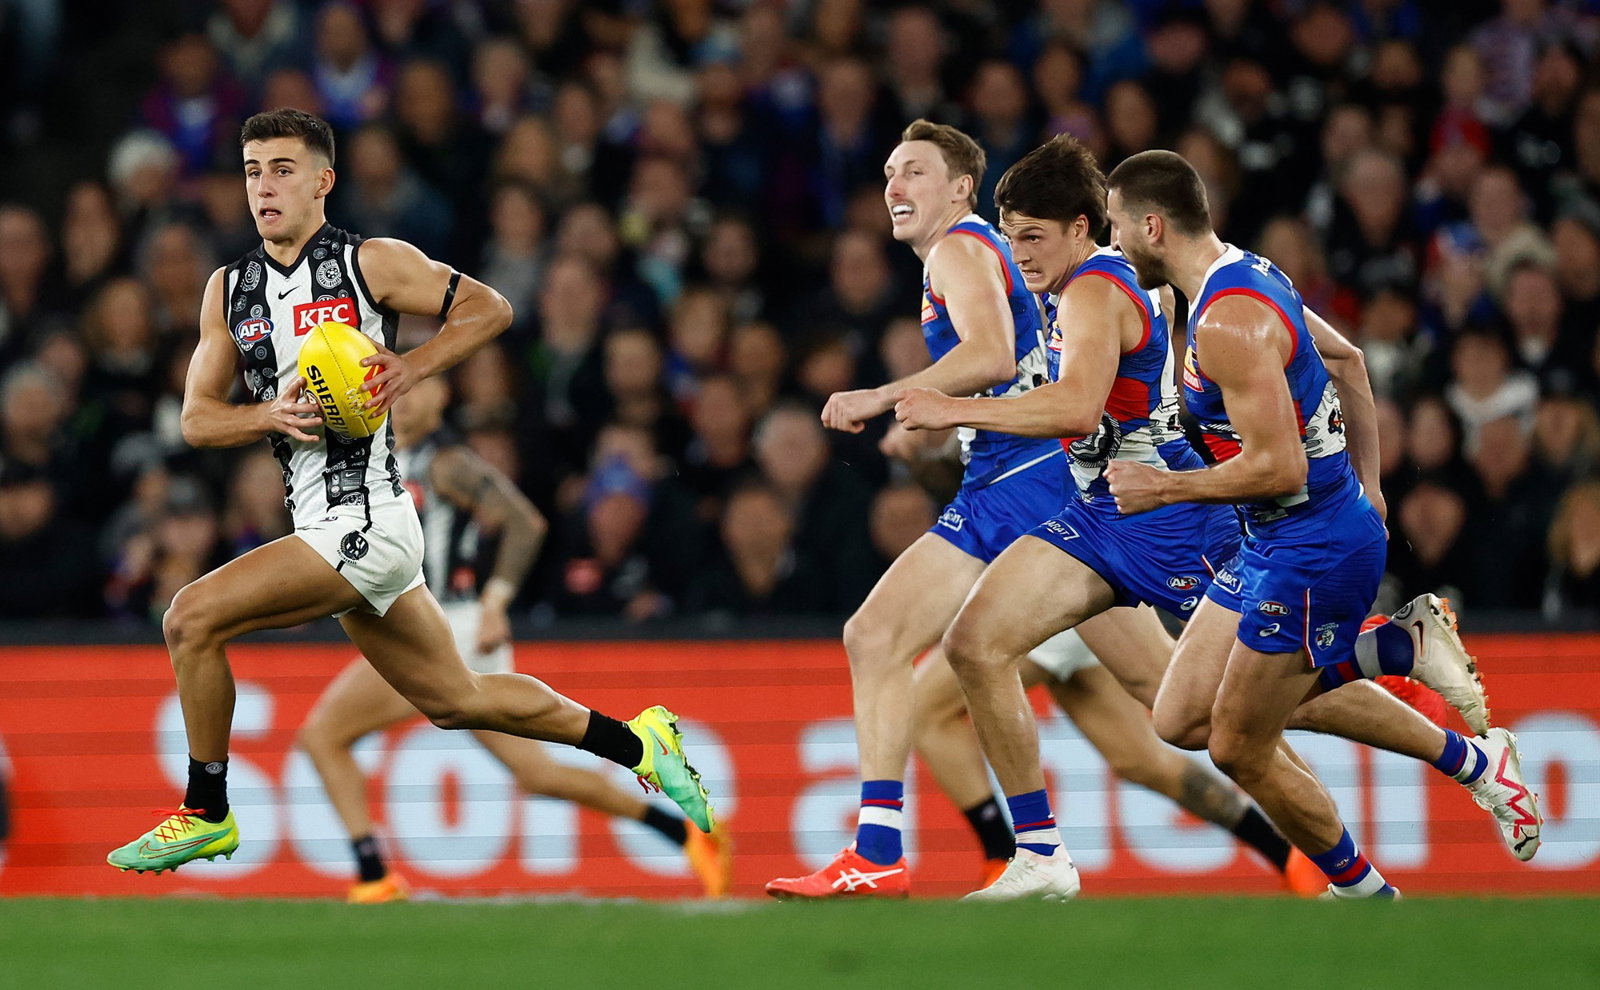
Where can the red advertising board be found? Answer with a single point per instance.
(91, 742)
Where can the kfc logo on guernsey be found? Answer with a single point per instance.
(341, 310)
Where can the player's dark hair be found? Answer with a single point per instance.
(1059, 180)
(1163, 183)
(288, 122)
(962, 156)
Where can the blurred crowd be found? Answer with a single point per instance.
(683, 202)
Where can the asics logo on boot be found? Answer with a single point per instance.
(852, 879)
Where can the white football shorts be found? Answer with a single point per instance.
(463, 617)
(380, 556)
(1063, 655)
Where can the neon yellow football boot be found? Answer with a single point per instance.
(664, 767)
(183, 837)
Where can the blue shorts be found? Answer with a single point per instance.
(1164, 557)
(1306, 583)
(981, 522)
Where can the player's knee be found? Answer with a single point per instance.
(1235, 754)
(968, 647)
(188, 621)
(867, 641)
(1178, 728)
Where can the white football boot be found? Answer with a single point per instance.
(1030, 876)
(1443, 663)
(1501, 792)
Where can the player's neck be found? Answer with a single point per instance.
(1190, 259)
(955, 216)
(287, 251)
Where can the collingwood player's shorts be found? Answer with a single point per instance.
(1063, 655)
(463, 619)
(379, 554)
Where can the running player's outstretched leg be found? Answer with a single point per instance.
(412, 647)
(1030, 592)
(709, 854)
(281, 584)
(902, 616)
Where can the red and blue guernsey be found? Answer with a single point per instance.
(1330, 480)
(991, 456)
(1140, 421)
(1309, 565)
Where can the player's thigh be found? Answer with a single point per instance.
(358, 701)
(283, 583)
(1031, 592)
(1113, 721)
(1134, 646)
(1259, 692)
(412, 648)
(910, 606)
(1189, 688)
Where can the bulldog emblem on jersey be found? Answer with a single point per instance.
(1326, 634)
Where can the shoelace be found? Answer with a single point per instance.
(177, 822)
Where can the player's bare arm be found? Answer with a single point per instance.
(969, 276)
(209, 419)
(1069, 407)
(405, 280)
(471, 484)
(1347, 366)
(1244, 349)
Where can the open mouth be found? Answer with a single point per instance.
(267, 214)
(901, 211)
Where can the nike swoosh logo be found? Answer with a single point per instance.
(284, 293)
(148, 851)
(663, 744)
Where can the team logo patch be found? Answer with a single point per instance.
(353, 547)
(251, 278)
(328, 274)
(952, 520)
(251, 330)
(1183, 582)
(1326, 634)
(1273, 608)
(340, 310)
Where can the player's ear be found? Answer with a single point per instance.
(964, 186)
(325, 182)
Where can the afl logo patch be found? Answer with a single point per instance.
(254, 329)
(1183, 582)
(328, 274)
(353, 547)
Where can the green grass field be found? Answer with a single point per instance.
(1447, 943)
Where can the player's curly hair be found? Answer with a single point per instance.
(962, 155)
(1059, 180)
(289, 122)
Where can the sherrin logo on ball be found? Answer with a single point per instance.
(330, 362)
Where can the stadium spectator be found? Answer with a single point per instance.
(383, 197)
(757, 570)
(513, 256)
(26, 303)
(1517, 506)
(352, 79)
(92, 248)
(47, 559)
(1574, 547)
(196, 105)
(1487, 385)
(717, 455)
(255, 37)
(758, 361)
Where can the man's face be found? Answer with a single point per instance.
(1044, 249)
(1132, 236)
(919, 190)
(283, 179)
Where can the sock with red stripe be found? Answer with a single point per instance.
(878, 827)
(1383, 649)
(1461, 759)
(1033, 822)
(1349, 872)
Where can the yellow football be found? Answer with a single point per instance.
(330, 362)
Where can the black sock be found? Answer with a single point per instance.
(613, 740)
(671, 826)
(369, 861)
(208, 789)
(1254, 830)
(999, 842)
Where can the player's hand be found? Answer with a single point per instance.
(494, 629)
(924, 409)
(292, 413)
(1136, 487)
(901, 444)
(849, 411)
(394, 378)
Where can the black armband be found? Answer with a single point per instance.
(450, 294)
